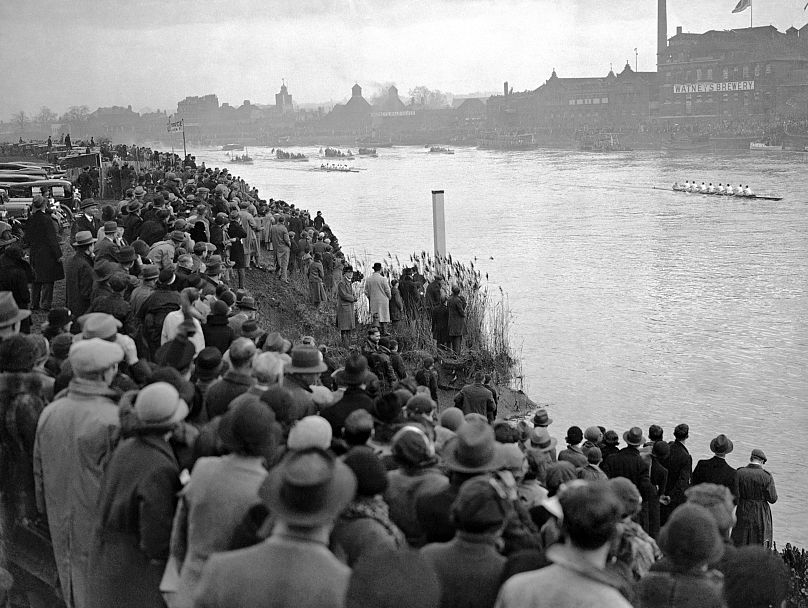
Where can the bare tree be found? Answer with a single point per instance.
(75, 114)
(46, 116)
(20, 119)
(424, 96)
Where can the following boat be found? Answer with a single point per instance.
(368, 152)
(290, 156)
(329, 168)
(759, 146)
(243, 159)
(234, 147)
(334, 153)
(440, 150)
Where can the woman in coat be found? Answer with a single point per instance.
(46, 255)
(15, 275)
(220, 493)
(136, 506)
(396, 303)
(238, 255)
(457, 318)
(316, 274)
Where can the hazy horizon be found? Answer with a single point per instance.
(151, 54)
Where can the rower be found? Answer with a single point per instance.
(693, 187)
(720, 189)
(702, 188)
(676, 185)
(711, 189)
(739, 190)
(748, 191)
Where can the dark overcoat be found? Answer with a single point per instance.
(79, 284)
(629, 464)
(46, 253)
(136, 508)
(457, 314)
(716, 470)
(15, 274)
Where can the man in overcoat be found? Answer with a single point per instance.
(75, 438)
(680, 465)
(346, 320)
(377, 289)
(46, 255)
(757, 491)
(629, 464)
(281, 244)
(716, 469)
(457, 318)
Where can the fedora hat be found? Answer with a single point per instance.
(634, 437)
(126, 254)
(88, 203)
(178, 236)
(134, 206)
(721, 445)
(306, 360)
(276, 343)
(103, 270)
(10, 313)
(149, 272)
(540, 418)
(250, 329)
(140, 191)
(247, 303)
(540, 440)
(473, 450)
(84, 238)
(354, 373)
(309, 488)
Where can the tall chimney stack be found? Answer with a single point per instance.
(505, 88)
(662, 31)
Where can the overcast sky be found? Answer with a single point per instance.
(152, 53)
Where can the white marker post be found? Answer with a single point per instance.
(438, 228)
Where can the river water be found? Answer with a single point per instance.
(631, 306)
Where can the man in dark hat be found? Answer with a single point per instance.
(354, 377)
(46, 255)
(680, 466)
(305, 493)
(236, 381)
(303, 373)
(475, 398)
(629, 464)
(79, 274)
(89, 220)
(716, 469)
(133, 221)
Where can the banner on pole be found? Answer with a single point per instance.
(176, 127)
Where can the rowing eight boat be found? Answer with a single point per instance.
(760, 197)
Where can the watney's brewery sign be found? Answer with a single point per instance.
(714, 87)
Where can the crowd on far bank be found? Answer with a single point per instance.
(162, 444)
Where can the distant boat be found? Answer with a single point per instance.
(368, 152)
(244, 159)
(334, 153)
(440, 150)
(757, 146)
(520, 141)
(336, 169)
(282, 155)
(227, 147)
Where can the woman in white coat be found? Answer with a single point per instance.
(377, 289)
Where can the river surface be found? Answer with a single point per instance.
(631, 306)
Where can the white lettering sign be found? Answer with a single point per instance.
(714, 87)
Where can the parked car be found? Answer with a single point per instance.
(58, 192)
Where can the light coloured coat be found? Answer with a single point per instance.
(377, 289)
(75, 438)
(214, 502)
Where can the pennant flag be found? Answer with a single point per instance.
(742, 6)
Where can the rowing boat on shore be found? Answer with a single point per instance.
(760, 197)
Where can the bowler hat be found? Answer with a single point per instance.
(110, 228)
(721, 445)
(633, 436)
(540, 418)
(250, 329)
(473, 450)
(58, 317)
(159, 405)
(248, 428)
(83, 238)
(574, 435)
(308, 488)
(354, 373)
(10, 313)
(306, 360)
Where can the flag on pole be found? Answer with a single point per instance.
(742, 6)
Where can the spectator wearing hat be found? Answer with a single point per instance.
(108, 240)
(11, 317)
(475, 398)
(346, 319)
(216, 330)
(541, 452)
(162, 252)
(46, 255)
(541, 418)
(207, 369)
(237, 236)
(633, 550)
(427, 376)
(416, 476)
(577, 575)
(316, 274)
(472, 452)
(136, 505)
(573, 452)
(629, 464)
(267, 369)
(74, 439)
(88, 220)
(457, 317)
(15, 275)
(113, 303)
(716, 469)
(469, 566)
(305, 493)
(718, 501)
(354, 378)
(163, 300)
(220, 492)
(237, 380)
(690, 542)
(756, 578)
(59, 349)
(155, 226)
(756, 492)
(680, 467)
(149, 274)
(593, 437)
(301, 375)
(610, 443)
(377, 290)
(187, 314)
(247, 310)
(133, 222)
(281, 246)
(660, 452)
(592, 470)
(364, 526)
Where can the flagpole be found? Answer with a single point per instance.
(751, 12)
